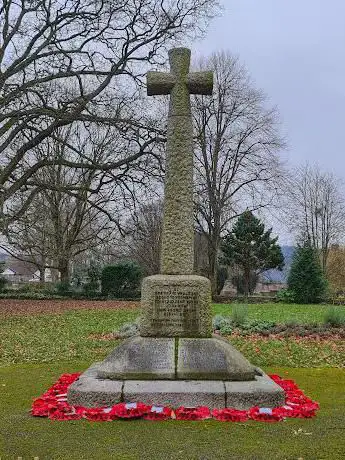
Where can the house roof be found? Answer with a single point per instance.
(20, 267)
(8, 271)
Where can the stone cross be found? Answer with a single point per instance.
(175, 341)
(178, 230)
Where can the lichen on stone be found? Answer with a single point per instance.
(178, 229)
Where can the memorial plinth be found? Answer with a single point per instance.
(151, 358)
(176, 361)
(91, 391)
(140, 358)
(176, 306)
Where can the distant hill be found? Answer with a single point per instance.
(276, 276)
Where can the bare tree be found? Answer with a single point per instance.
(315, 208)
(144, 232)
(29, 238)
(55, 230)
(72, 61)
(60, 224)
(237, 140)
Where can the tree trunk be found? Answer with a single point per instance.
(42, 274)
(324, 256)
(213, 272)
(213, 247)
(64, 271)
(246, 279)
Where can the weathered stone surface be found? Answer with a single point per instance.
(176, 393)
(213, 359)
(200, 82)
(177, 256)
(159, 83)
(140, 358)
(178, 232)
(176, 305)
(89, 391)
(262, 392)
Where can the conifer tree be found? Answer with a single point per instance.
(306, 279)
(252, 249)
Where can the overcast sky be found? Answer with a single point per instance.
(294, 51)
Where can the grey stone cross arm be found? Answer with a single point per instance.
(179, 83)
(177, 256)
(163, 82)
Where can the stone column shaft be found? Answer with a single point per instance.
(177, 256)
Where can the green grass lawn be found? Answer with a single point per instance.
(76, 335)
(318, 438)
(63, 336)
(280, 312)
(35, 350)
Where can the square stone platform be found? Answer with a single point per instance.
(91, 391)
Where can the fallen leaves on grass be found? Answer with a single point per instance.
(103, 337)
(291, 351)
(9, 307)
(60, 336)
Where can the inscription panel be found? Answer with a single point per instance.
(175, 309)
(176, 306)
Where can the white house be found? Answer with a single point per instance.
(19, 271)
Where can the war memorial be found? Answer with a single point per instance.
(176, 360)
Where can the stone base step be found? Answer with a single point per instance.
(172, 358)
(91, 391)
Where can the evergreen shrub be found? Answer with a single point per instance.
(285, 296)
(306, 279)
(121, 280)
